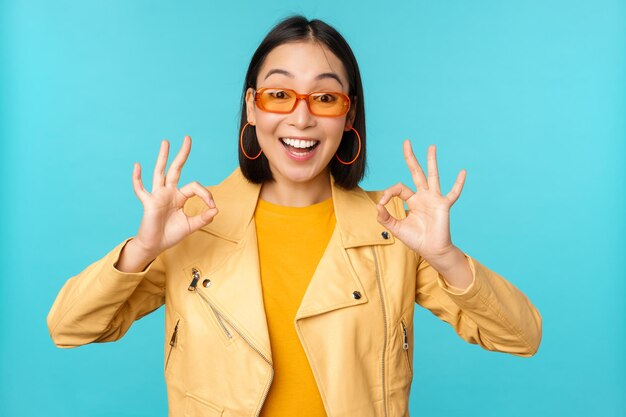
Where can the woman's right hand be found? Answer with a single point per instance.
(164, 223)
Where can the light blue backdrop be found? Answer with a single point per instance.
(529, 97)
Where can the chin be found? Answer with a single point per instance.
(301, 175)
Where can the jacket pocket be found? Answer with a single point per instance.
(404, 333)
(197, 407)
(173, 347)
(195, 274)
(220, 320)
(225, 332)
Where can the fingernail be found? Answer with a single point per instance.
(211, 203)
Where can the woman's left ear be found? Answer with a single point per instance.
(351, 116)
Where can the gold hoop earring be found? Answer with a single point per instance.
(241, 144)
(357, 153)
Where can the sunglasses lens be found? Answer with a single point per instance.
(275, 100)
(328, 104)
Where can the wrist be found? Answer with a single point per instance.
(140, 250)
(134, 258)
(446, 260)
(454, 267)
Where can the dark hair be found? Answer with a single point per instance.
(298, 28)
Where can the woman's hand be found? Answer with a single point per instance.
(426, 229)
(164, 223)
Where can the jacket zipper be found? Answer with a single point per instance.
(405, 345)
(195, 274)
(219, 319)
(267, 389)
(382, 301)
(172, 343)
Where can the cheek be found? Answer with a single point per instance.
(334, 130)
(267, 126)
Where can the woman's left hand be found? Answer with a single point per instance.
(426, 229)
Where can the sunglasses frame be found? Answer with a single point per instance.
(259, 91)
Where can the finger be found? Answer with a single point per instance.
(138, 187)
(433, 171)
(202, 219)
(399, 190)
(194, 188)
(416, 170)
(454, 194)
(206, 216)
(158, 177)
(173, 173)
(387, 220)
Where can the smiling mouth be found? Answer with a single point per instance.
(299, 147)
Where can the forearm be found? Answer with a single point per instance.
(133, 258)
(491, 311)
(101, 302)
(454, 267)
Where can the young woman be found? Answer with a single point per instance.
(289, 289)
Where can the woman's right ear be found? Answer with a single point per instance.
(250, 107)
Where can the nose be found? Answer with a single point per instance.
(301, 117)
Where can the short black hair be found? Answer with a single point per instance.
(298, 28)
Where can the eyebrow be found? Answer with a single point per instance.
(290, 75)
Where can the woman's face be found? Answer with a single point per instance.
(303, 67)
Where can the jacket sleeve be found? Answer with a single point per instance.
(101, 302)
(491, 312)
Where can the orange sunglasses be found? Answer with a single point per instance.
(284, 100)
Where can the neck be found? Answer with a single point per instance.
(297, 194)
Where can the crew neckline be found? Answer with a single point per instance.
(322, 206)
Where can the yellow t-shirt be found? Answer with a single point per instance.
(291, 243)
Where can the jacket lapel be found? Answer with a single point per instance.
(335, 280)
(236, 292)
(236, 285)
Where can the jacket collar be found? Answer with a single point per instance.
(236, 199)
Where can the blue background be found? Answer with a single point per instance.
(529, 97)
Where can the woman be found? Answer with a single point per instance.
(289, 289)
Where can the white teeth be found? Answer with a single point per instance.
(299, 143)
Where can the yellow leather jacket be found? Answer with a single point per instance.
(355, 320)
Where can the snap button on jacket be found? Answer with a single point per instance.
(355, 321)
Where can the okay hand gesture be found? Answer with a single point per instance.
(426, 229)
(164, 223)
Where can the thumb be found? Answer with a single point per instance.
(202, 219)
(386, 219)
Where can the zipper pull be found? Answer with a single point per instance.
(173, 339)
(196, 276)
(405, 339)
